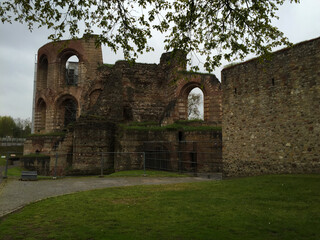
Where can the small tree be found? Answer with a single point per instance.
(18, 127)
(7, 126)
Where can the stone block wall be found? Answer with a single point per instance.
(271, 113)
(92, 139)
(191, 151)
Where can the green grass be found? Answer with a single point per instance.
(2, 161)
(149, 173)
(15, 172)
(267, 207)
(51, 134)
(181, 125)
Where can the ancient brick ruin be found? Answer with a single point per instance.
(91, 107)
(270, 121)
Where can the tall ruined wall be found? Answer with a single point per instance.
(86, 100)
(57, 96)
(132, 92)
(155, 92)
(271, 113)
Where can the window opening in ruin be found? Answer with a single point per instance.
(70, 111)
(235, 90)
(180, 136)
(72, 70)
(43, 71)
(272, 81)
(41, 115)
(195, 104)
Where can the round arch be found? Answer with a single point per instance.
(70, 75)
(66, 110)
(42, 78)
(183, 99)
(40, 115)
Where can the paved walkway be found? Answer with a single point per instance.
(15, 194)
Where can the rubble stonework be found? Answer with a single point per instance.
(271, 113)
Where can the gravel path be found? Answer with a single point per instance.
(15, 194)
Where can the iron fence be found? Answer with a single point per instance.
(104, 163)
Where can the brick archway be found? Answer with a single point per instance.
(64, 73)
(43, 65)
(182, 100)
(66, 110)
(40, 115)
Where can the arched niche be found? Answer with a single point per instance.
(70, 67)
(66, 110)
(42, 80)
(93, 97)
(40, 115)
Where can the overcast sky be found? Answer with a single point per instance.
(18, 48)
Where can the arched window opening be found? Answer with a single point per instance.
(40, 118)
(43, 71)
(69, 107)
(72, 70)
(195, 104)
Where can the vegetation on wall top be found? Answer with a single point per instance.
(50, 134)
(183, 125)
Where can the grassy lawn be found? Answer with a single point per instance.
(16, 172)
(149, 173)
(266, 207)
(2, 161)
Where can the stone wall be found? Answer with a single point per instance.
(92, 139)
(271, 113)
(174, 150)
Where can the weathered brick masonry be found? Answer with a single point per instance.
(270, 123)
(90, 108)
(271, 113)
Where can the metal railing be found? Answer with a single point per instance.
(104, 163)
